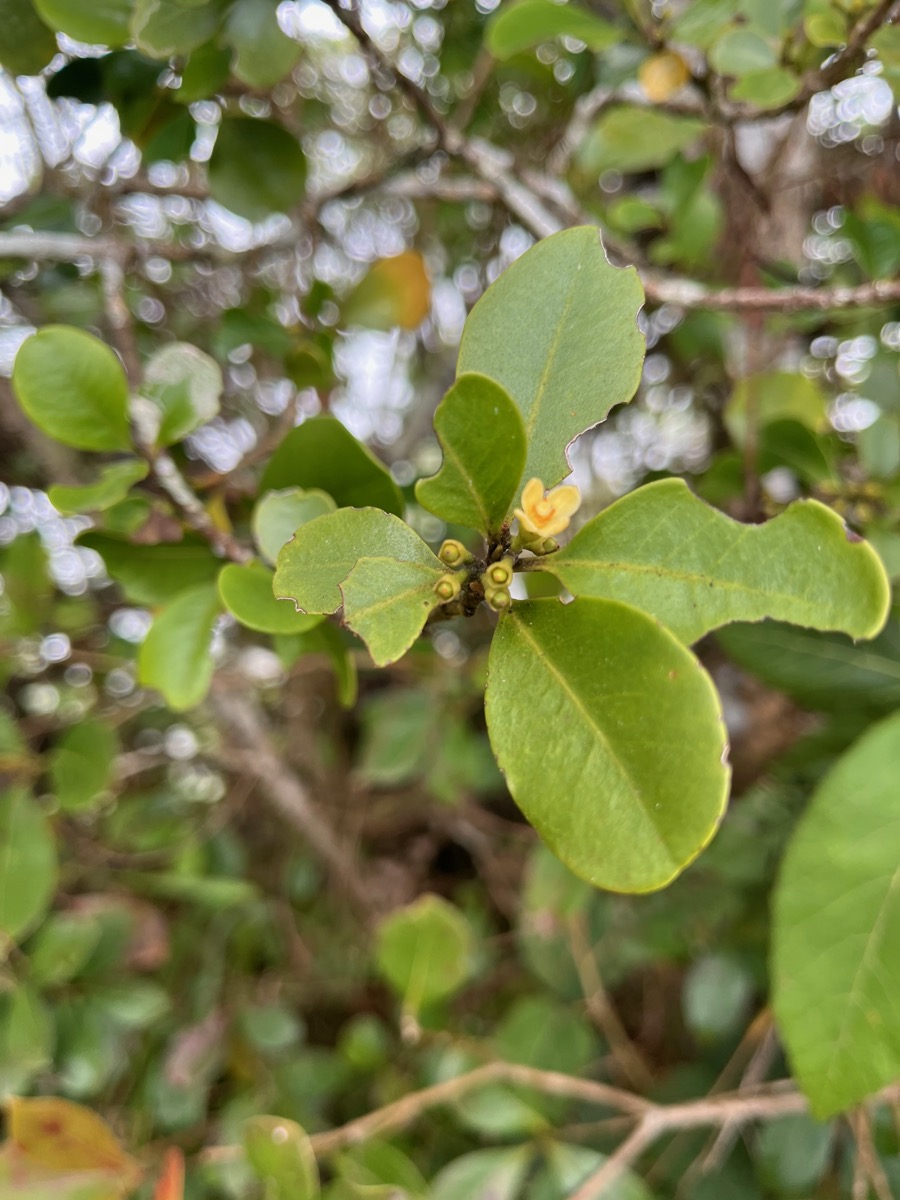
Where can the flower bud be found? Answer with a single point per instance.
(454, 553)
(498, 574)
(448, 587)
(498, 598)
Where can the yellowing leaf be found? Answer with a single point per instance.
(662, 75)
(60, 1136)
(395, 292)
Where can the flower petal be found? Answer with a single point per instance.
(565, 499)
(532, 493)
(525, 520)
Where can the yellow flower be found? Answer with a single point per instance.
(547, 515)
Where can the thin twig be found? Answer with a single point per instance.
(601, 1009)
(868, 1167)
(248, 732)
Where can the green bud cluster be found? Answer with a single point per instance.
(454, 553)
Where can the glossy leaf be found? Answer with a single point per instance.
(163, 28)
(257, 168)
(610, 736)
(388, 602)
(114, 484)
(175, 656)
(483, 440)
(263, 54)
(322, 453)
(835, 961)
(26, 44)
(312, 567)
(528, 23)
(104, 23)
(28, 868)
(425, 951)
(666, 552)
(484, 1175)
(246, 591)
(825, 671)
(154, 574)
(627, 138)
(278, 514)
(568, 359)
(82, 764)
(394, 293)
(184, 384)
(73, 387)
(281, 1155)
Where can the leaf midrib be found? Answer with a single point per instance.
(554, 671)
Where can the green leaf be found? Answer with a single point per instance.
(27, 863)
(205, 73)
(483, 440)
(81, 765)
(175, 655)
(567, 359)
(312, 567)
(835, 966)
(792, 1155)
(26, 44)
(256, 168)
(101, 23)
(394, 292)
(246, 591)
(279, 514)
(777, 396)
(322, 453)
(628, 138)
(665, 551)
(282, 1156)
(769, 88)
(484, 1175)
(567, 1167)
(184, 384)
(610, 736)
(74, 388)
(739, 51)
(382, 1171)
(26, 1040)
(61, 947)
(528, 23)
(425, 951)
(163, 28)
(539, 1032)
(824, 671)
(158, 573)
(114, 484)
(387, 603)
(263, 54)
(716, 995)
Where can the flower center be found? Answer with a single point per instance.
(543, 510)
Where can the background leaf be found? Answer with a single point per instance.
(246, 591)
(256, 168)
(114, 484)
(281, 1155)
(528, 23)
(74, 388)
(394, 293)
(279, 513)
(425, 951)
(175, 655)
(28, 868)
(104, 23)
(185, 385)
(323, 454)
(82, 764)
